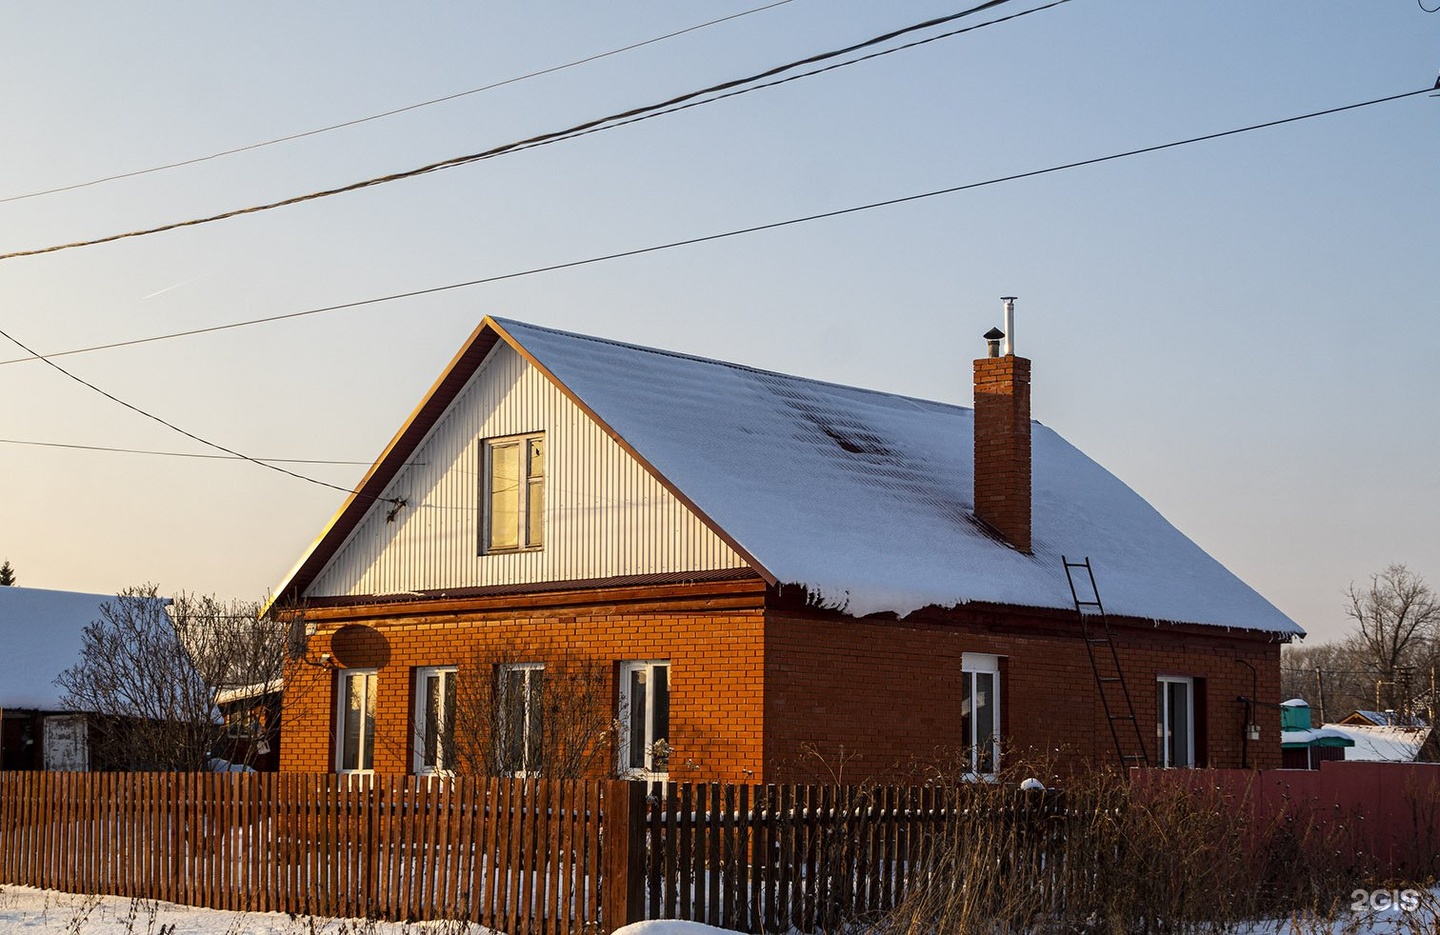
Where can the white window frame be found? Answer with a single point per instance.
(1165, 722)
(653, 768)
(502, 715)
(445, 716)
(529, 494)
(345, 678)
(976, 670)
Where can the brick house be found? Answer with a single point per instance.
(775, 578)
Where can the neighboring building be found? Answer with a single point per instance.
(252, 725)
(42, 632)
(777, 578)
(1387, 737)
(1381, 719)
(1303, 746)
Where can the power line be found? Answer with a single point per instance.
(554, 136)
(190, 435)
(171, 454)
(398, 110)
(854, 209)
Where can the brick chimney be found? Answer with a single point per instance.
(1002, 437)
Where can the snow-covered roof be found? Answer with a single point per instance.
(864, 497)
(40, 635)
(246, 692)
(1384, 719)
(1385, 744)
(1315, 737)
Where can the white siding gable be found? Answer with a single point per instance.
(605, 515)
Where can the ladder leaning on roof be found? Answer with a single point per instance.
(1105, 663)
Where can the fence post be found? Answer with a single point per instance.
(623, 898)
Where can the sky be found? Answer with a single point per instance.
(1244, 329)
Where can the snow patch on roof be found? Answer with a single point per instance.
(41, 632)
(866, 498)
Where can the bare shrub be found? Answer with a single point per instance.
(554, 722)
(1103, 854)
(151, 670)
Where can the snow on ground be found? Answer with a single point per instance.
(24, 909)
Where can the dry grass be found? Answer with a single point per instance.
(1100, 855)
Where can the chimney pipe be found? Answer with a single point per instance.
(1002, 438)
(1009, 301)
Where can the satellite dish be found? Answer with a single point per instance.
(357, 646)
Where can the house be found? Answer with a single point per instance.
(762, 577)
(42, 632)
(252, 714)
(1387, 718)
(1387, 737)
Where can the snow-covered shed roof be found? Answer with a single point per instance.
(1315, 737)
(1383, 744)
(40, 637)
(864, 497)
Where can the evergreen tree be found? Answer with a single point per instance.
(7, 574)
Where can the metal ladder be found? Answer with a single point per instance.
(1109, 677)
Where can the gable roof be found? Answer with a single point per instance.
(41, 634)
(864, 497)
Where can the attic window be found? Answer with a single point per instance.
(513, 495)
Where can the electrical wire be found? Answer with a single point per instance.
(398, 110)
(531, 142)
(655, 248)
(190, 435)
(170, 454)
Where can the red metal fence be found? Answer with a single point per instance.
(1385, 815)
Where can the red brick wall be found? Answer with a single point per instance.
(713, 650)
(788, 694)
(1002, 447)
(882, 699)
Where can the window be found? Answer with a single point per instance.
(520, 718)
(434, 719)
(980, 712)
(1175, 722)
(644, 718)
(355, 720)
(514, 493)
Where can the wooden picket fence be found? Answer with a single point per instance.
(515, 855)
(518, 856)
(784, 858)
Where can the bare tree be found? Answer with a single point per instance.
(1335, 678)
(516, 715)
(152, 670)
(1398, 616)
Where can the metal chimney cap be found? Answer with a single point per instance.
(994, 334)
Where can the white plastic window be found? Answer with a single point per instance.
(355, 721)
(980, 712)
(520, 718)
(644, 719)
(434, 720)
(1175, 722)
